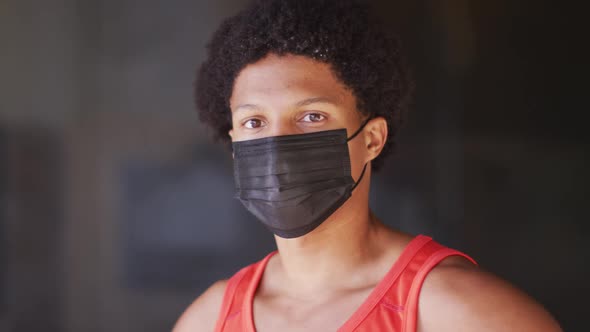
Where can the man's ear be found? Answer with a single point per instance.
(375, 137)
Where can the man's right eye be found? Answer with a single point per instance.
(253, 123)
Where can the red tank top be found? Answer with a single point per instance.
(391, 306)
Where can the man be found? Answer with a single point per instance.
(311, 94)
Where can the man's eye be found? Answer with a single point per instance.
(253, 123)
(313, 117)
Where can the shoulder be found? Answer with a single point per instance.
(202, 314)
(458, 296)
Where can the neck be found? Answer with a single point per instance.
(341, 246)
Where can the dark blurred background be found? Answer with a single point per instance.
(116, 209)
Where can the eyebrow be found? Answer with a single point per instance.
(300, 103)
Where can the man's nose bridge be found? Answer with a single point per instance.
(283, 126)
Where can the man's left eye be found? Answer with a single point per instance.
(313, 117)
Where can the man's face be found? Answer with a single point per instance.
(286, 95)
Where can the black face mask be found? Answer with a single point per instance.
(293, 183)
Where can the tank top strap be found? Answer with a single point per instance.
(231, 297)
(423, 262)
(250, 291)
(393, 304)
(388, 287)
(240, 289)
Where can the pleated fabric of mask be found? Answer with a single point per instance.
(293, 183)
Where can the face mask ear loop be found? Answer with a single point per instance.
(360, 129)
(353, 136)
(360, 178)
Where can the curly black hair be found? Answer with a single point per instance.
(342, 33)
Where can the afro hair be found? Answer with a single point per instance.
(342, 33)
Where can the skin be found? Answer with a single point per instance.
(303, 288)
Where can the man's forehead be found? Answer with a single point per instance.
(287, 69)
(300, 79)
